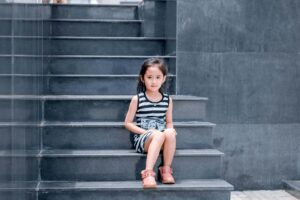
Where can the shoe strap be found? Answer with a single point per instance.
(147, 173)
(166, 169)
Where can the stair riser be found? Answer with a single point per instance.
(77, 65)
(24, 28)
(18, 194)
(117, 138)
(96, 29)
(21, 85)
(106, 47)
(101, 65)
(24, 46)
(19, 138)
(6, 27)
(5, 46)
(23, 65)
(27, 10)
(107, 110)
(134, 194)
(20, 110)
(113, 168)
(94, 12)
(97, 86)
(19, 168)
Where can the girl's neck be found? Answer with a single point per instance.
(153, 96)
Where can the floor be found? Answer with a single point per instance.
(262, 195)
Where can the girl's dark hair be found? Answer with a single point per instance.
(149, 63)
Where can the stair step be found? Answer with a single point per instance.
(114, 108)
(293, 187)
(77, 64)
(26, 109)
(5, 45)
(93, 135)
(83, 45)
(111, 28)
(89, 107)
(73, 84)
(107, 46)
(24, 84)
(25, 136)
(16, 190)
(19, 165)
(97, 84)
(103, 65)
(94, 11)
(113, 135)
(108, 165)
(293, 184)
(24, 10)
(70, 27)
(214, 189)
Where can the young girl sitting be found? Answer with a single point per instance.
(153, 130)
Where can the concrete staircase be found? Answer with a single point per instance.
(93, 57)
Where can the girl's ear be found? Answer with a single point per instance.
(164, 79)
(141, 78)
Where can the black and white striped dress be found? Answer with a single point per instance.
(149, 115)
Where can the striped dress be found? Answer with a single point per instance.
(149, 115)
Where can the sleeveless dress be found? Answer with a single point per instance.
(149, 115)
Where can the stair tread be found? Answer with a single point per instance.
(99, 124)
(202, 184)
(189, 184)
(74, 20)
(89, 38)
(126, 152)
(101, 153)
(118, 124)
(86, 56)
(90, 97)
(79, 75)
(294, 184)
(19, 153)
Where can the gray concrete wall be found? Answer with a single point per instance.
(244, 56)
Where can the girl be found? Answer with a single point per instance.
(153, 130)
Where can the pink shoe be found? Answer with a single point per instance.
(148, 177)
(166, 175)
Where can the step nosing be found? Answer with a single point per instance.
(126, 153)
(86, 56)
(91, 97)
(88, 38)
(188, 184)
(73, 20)
(95, 124)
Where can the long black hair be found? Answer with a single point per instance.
(149, 63)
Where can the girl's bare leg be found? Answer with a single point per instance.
(153, 146)
(169, 146)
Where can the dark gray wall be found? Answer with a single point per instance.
(160, 21)
(244, 56)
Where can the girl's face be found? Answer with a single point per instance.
(153, 79)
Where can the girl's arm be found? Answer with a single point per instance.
(129, 124)
(169, 116)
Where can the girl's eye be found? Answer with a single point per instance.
(158, 77)
(149, 77)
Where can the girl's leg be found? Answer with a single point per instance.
(153, 146)
(169, 146)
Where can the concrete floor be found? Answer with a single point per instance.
(262, 195)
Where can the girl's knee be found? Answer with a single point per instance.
(159, 136)
(170, 133)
